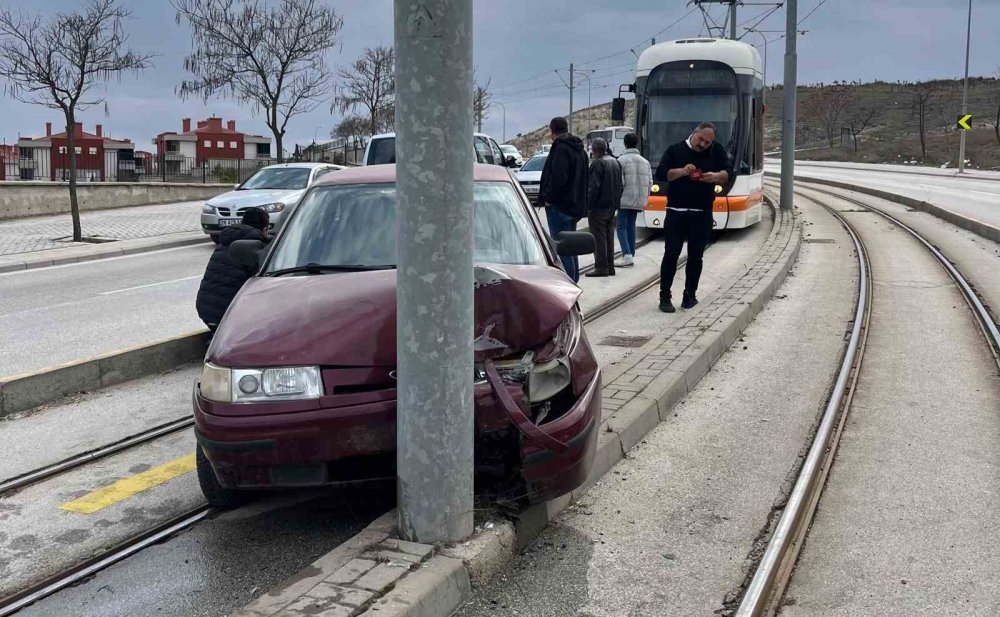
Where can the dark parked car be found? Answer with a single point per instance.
(298, 386)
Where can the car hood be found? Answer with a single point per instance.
(349, 319)
(256, 197)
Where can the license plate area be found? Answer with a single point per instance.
(228, 222)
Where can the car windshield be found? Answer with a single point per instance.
(382, 151)
(534, 164)
(291, 178)
(355, 226)
(508, 149)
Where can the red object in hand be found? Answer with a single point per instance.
(696, 174)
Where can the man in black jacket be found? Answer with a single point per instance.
(562, 190)
(604, 197)
(691, 168)
(223, 277)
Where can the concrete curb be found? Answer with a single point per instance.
(447, 580)
(969, 224)
(31, 389)
(119, 248)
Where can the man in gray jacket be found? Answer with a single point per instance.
(604, 196)
(638, 182)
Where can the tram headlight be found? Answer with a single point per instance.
(655, 188)
(718, 188)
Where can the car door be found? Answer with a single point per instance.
(498, 154)
(484, 153)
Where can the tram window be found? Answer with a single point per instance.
(670, 119)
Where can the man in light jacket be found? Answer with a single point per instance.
(638, 182)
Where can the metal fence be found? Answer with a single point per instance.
(127, 166)
(340, 152)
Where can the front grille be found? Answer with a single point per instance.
(227, 212)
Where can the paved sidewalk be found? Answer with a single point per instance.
(41, 233)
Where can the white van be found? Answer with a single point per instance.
(614, 135)
(381, 150)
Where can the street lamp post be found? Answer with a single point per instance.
(965, 94)
(504, 108)
(312, 154)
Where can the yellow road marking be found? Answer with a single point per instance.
(126, 487)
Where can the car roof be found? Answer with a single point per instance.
(380, 174)
(384, 135)
(306, 165)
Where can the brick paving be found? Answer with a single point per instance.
(40, 233)
(665, 351)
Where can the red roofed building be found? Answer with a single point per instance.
(211, 141)
(98, 157)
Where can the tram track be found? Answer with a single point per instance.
(765, 591)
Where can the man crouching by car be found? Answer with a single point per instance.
(223, 277)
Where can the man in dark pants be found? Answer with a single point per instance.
(692, 168)
(562, 189)
(604, 197)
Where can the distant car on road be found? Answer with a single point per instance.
(542, 150)
(299, 383)
(275, 188)
(530, 175)
(381, 150)
(511, 150)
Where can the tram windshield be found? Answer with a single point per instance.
(671, 119)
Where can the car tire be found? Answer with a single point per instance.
(217, 496)
(215, 239)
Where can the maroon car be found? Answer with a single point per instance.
(298, 387)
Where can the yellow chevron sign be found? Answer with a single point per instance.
(964, 122)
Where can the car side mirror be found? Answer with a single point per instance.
(574, 243)
(247, 253)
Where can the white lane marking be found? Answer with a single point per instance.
(118, 291)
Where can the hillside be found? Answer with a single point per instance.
(892, 136)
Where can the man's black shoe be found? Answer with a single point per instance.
(666, 306)
(596, 274)
(689, 301)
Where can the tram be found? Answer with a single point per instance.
(681, 83)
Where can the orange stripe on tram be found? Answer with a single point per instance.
(737, 203)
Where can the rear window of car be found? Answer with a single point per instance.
(535, 163)
(382, 151)
(355, 225)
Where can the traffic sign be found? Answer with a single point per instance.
(965, 122)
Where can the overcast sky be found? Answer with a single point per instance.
(520, 43)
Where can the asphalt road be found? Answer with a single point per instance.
(976, 195)
(64, 313)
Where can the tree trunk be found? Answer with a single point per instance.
(278, 145)
(74, 204)
(996, 125)
(855, 135)
(923, 139)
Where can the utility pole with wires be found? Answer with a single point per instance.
(569, 119)
(788, 112)
(571, 85)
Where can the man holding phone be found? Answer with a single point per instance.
(692, 169)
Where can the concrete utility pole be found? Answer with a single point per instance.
(965, 94)
(434, 323)
(569, 119)
(788, 121)
(732, 19)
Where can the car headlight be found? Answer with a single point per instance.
(568, 333)
(208, 209)
(272, 208)
(255, 385)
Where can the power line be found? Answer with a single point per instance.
(821, 3)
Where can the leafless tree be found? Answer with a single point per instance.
(922, 104)
(370, 85)
(826, 107)
(267, 55)
(482, 99)
(56, 62)
(351, 128)
(862, 113)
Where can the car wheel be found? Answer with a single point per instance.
(215, 238)
(216, 495)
